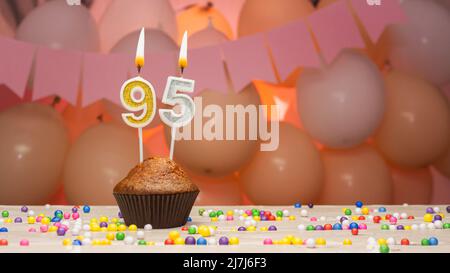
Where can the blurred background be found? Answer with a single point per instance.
(369, 121)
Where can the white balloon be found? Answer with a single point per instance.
(421, 46)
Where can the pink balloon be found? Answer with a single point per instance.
(421, 46)
(33, 145)
(123, 17)
(155, 41)
(58, 25)
(97, 161)
(342, 105)
(207, 37)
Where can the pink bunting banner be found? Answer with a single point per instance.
(201, 62)
(289, 53)
(247, 59)
(376, 18)
(335, 30)
(103, 75)
(57, 72)
(62, 72)
(16, 59)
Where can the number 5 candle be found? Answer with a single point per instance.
(172, 97)
(138, 95)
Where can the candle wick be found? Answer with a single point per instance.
(139, 69)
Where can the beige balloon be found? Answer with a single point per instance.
(412, 186)
(258, 17)
(123, 17)
(217, 191)
(443, 164)
(33, 145)
(217, 157)
(415, 131)
(98, 160)
(292, 173)
(356, 174)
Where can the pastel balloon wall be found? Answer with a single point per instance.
(372, 124)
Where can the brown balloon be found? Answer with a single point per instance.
(258, 17)
(415, 131)
(412, 186)
(217, 157)
(33, 145)
(443, 164)
(98, 160)
(220, 191)
(292, 173)
(356, 174)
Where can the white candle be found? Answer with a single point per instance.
(172, 97)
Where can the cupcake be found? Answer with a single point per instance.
(157, 192)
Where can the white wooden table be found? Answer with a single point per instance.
(249, 241)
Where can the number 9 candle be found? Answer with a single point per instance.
(138, 95)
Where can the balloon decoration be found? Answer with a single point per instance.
(33, 145)
(358, 173)
(123, 17)
(50, 23)
(292, 173)
(79, 119)
(209, 36)
(222, 191)
(343, 104)
(415, 131)
(100, 158)
(420, 47)
(443, 164)
(217, 157)
(412, 186)
(155, 41)
(198, 17)
(258, 17)
(7, 22)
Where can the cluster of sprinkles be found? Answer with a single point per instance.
(76, 228)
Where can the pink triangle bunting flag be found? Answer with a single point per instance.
(335, 29)
(15, 65)
(292, 46)
(57, 72)
(248, 59)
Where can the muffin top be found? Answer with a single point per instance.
(156, 176)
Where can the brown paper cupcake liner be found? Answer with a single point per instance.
(159, 210)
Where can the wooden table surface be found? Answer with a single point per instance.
(249, 241)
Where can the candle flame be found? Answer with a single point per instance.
(182, 61)
(139, 61)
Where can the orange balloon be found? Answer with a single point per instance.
(97, 161)
(198, 17)
(443, 164)
(415, 131)
(154, 142)
(356, 174)
(259, 17)
(221, 191)
(292, 173)
(79, 119)
(217, 157)
(33, 146)
(412, 186)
